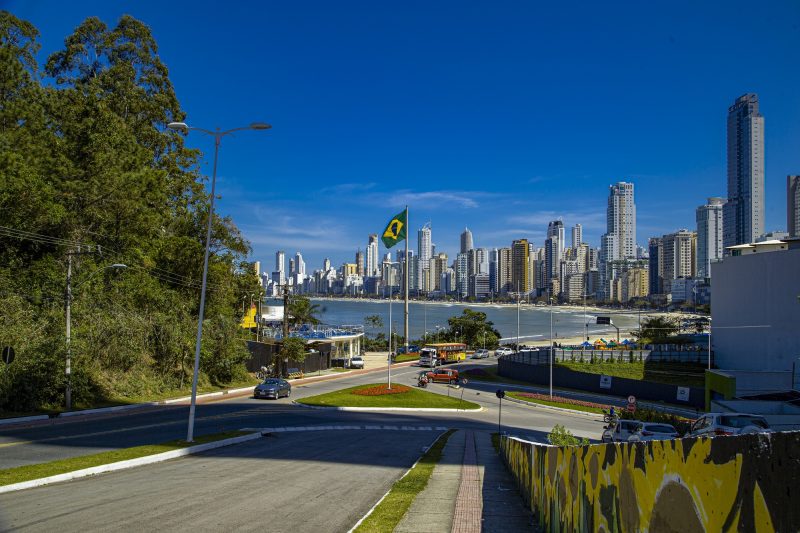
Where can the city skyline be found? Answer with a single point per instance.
(476, 121)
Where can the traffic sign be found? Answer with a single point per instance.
(8, 355)
(631, 399)
(631, 407)
(500, 393)
(464, 381)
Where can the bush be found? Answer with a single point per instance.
(561, 436)
(682, 425)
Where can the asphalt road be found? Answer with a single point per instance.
(316, 481)
(81, 436)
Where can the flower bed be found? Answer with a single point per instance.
(380, 390)
(561, 399)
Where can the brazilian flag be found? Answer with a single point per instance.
(395, 230)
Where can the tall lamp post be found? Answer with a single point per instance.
(68, 312)
(218, 135)
(709, 342)
(551, 347)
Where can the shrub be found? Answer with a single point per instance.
(681, 424)
(561, 399)
(561, 436)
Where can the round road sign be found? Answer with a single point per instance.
(8, 355)
(464, 381)
(500, 393)
(631, 399)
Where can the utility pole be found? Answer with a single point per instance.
(68, 392)
(285, 326)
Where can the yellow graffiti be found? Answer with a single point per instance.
(675, 485)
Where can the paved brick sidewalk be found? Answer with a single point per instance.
(469, 503)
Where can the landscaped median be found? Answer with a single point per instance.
(378, 395)
(27, 476)
(558, 401)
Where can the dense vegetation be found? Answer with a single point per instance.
(89, 170)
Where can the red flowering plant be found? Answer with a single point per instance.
(561, 399)
(380, 390)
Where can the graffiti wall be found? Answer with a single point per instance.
(744, 483)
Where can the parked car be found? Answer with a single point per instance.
(714, 424)
(357, 362)
(503, 351)
(443, 375)
(621, 431)
(480, 353)
(272, 388)
(653, 431)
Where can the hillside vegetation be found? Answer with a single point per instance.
(88, 169)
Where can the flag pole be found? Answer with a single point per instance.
(405, 275)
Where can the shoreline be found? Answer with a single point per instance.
(566, 307)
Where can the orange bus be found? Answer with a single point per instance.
(444, 352)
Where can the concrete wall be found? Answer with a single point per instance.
(759, 289)
(563, 377)
(745, 483)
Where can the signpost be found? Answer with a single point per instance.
(500, 394)
(464, 381)
(8, 355)
(632, 403)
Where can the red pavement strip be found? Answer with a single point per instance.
(469, 503)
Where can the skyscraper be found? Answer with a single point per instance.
(556, 229)
(619, 241)
(424, 254)
(793, 205)
(280, 264)
(466, 241)
(372, 256)
(577, 235)
(360, 263)
(743, 213)
(299, 264)
(709, 235)
(519, 266)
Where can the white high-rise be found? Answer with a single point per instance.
(424, 254)
(373, 267)
(709, 235)
(299, 264)
(577, 236)
(619, 241)
(743, 213)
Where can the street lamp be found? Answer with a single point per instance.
(709, 342)
(68, 367)
(551, 347)
(218, 135)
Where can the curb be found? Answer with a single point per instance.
(266, 431)
(382, 409)
(372, 509)
(561, 409)
(23, 419)
(130, 463)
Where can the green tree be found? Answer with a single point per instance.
(470, 328)
(656, 329)
(302, 311)
(294, 348)
(373, 321)
(561, 436)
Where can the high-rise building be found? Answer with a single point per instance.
(519, 266)
(709, 235)
(280, 265)
(373, 266)
(743, 213)
(552, 259)
(504, 284)
(676, 256)
(466, 241)
(577, 235)
(619, 241)
(556, 229)
(653, 271)
(424, 254)
(462, 274)
(360, 263)
(493, 263)
(299, 264)
(793, 205)
(326, 264)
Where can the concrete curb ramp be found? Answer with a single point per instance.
(130, 463)
(380, 409)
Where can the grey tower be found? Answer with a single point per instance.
(793, 205)
(466, 241)
(743, 214)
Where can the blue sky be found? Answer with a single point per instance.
(498, 116)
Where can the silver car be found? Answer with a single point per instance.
(718, 424)
(480, 353)
(272, 388)
(647, 431)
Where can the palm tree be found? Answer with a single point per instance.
(302, 311)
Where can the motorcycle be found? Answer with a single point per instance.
(422, 382)
(610, 418)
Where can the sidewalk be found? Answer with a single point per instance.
(469, 491)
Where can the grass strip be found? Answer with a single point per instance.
(684, 374)
(391, 510)
(406, 357)
(19, 474)
(563, 405)
(414, 398)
